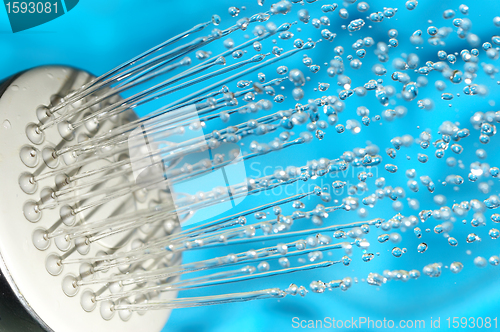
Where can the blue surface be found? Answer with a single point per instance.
(98, 35)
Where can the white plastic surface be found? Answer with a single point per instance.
(26, 264)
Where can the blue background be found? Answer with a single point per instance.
(98, 35)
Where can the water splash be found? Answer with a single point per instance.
(227, 96)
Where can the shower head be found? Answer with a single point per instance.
(36, 289)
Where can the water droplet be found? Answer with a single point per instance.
(411, 4)
(216, 19)
(422, 247)
(397, 252)
(383, 238)
(456, 267)
(6, 124)
(433, 270)
(480, 261)
(233, 11)
(376, 279)
(355, 25)
(494, 233)
(494, 260)
(367, 257)
(391, 168)
(472, 237)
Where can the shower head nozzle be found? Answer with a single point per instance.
(31, 255)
